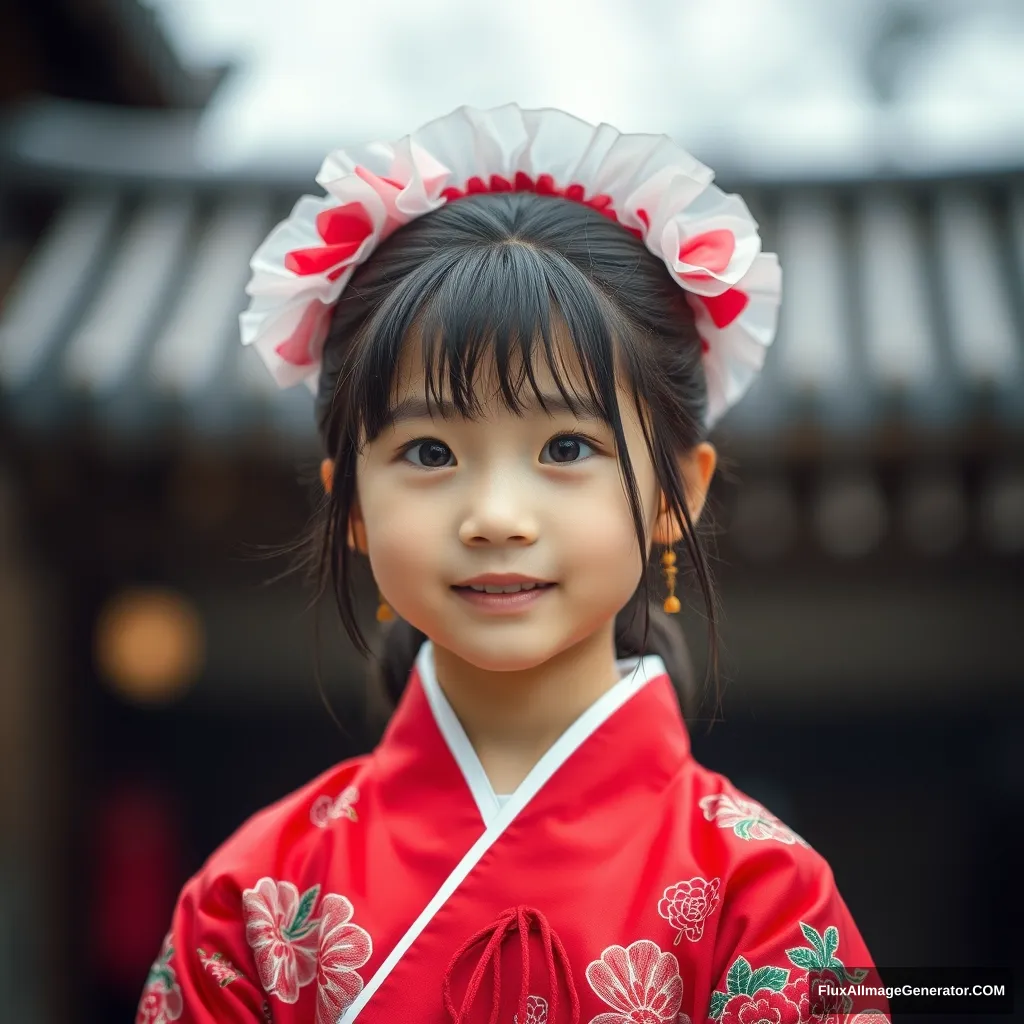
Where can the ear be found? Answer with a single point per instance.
(356, 525)
(696, 467)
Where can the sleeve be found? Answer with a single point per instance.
(237, 933)
(789, 951)
(204, 973)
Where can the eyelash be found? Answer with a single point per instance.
(590, 442)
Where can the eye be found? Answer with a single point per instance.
(433, 454)
(567, 449)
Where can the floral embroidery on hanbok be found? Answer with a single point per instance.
(536, 1011)
(640, 983)
(221, 969)
(783, 995)
(343, 947)
(325, 810)
(161, 998)
(747, 818)
(292, 945)
(686, 905)
(281, 930)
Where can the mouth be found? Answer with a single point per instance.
(495, 583)
(512, 587)
(509, 597)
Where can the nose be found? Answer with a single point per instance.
(501, 510)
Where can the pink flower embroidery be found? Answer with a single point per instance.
(781, 995)
(685, 906)
(748, 819)
(325, 810)
(641, 984)
(536, 1011)
(796, 990)
(221, 969)
(765, 1006)
(819, 983)
(771, 1005)
(343, 947)
(161, 998)
(282, 931)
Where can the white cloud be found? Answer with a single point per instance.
(770, 84)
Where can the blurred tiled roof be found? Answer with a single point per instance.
(903, 297)
(105, 51)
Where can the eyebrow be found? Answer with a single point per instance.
(417, 408)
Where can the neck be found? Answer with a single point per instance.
(513, 718)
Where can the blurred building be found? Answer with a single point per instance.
(156, 689)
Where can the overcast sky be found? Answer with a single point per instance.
(766, 84)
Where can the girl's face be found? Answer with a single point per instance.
(441, 501)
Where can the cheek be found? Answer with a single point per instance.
(600, 533)
(403, 537)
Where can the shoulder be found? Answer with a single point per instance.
(777, 920)
(278, 839)
(223, 953)
(745, 842)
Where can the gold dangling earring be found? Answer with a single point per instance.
(668, 567)
(384, 612)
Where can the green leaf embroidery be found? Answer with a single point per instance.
(816, 941)
(831, 941)
(718, 1001)
(803, 957)
(738, 979)
(301, 926)
(161, 971)
(165, 976)
(307, 929)
(742, 828)
(774, 978)
(857, 974)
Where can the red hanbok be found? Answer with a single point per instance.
(622, 883)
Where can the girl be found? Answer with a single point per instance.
(519, 329)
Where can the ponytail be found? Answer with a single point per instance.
(399, 643)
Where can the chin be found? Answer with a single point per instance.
(494, 659)
(508, 655)
(514, 651)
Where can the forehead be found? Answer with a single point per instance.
(421, 366)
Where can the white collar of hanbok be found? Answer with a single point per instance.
(634, 674)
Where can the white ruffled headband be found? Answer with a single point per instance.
(707, 238)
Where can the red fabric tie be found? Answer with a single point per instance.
(521, 919)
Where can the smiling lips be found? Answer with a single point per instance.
(502, 593)
(498, 583)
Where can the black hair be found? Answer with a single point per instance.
(497, 274)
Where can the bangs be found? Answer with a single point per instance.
(492, 309)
